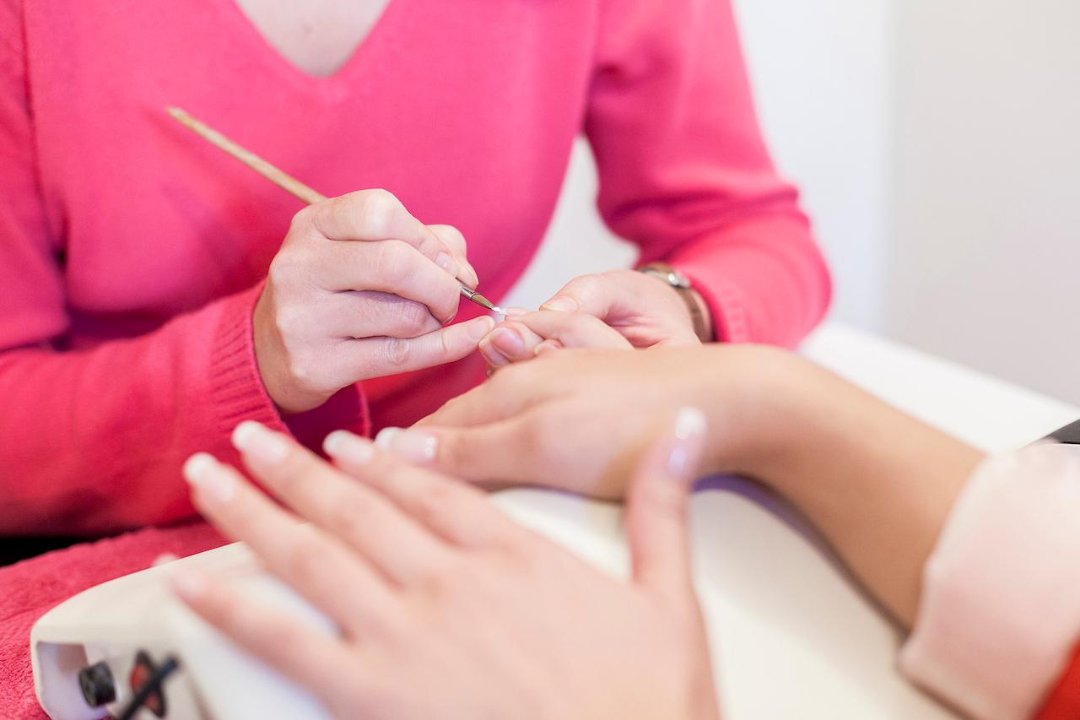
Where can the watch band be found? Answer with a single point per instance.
(682, 285)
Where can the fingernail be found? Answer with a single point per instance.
(467, 273)
(480, 328)
(260, 443)
(560, 304)
(548, 346)
(188, 584)
(343, 445)
(415, 446)
(689, 428)
(516, 312)
(508, 342)
(491, 355)
(447, 263)
(204, 472)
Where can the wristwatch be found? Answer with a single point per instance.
(682, 285)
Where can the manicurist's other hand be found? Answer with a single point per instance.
(579, 419)
(360, 289)
(446, 607)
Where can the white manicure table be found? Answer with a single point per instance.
(791, 636)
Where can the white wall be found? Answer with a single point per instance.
(820, 70)
(985, 265)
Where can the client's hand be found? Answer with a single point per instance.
(446, 607)
(630, 306)
(359, 289)
(578, 420)
(524, 335)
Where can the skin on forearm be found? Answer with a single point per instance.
(877, 483)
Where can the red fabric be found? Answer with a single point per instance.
(31, 588)
(1063, 703)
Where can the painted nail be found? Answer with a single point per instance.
(188, 584)
(385, 438)
(508, 342)
(480, 328)
(260, 443)
(342, 445)
(447, 263)
(415, 446)
(204, 472)
(560, 304)
(689, 429)
(516, 312)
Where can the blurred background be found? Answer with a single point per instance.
(937, 145)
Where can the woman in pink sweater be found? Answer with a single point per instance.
(138, 320)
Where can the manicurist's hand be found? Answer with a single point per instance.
(579, 419)
(360, 289)
(446, 607)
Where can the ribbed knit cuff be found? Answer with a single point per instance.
(236, 389)
(1000, 609)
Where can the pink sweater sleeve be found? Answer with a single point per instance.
(93, 440)
(999, 616)
(685, 174)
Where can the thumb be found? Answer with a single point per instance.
(657, 507)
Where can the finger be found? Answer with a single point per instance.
(279, 639)
(378, 357)
(453, 239)
(391, 542)
(323, 570)
(595, 295)
(456, 512)
(657, 508)
(573, 330)
(376, 215)
(500, 452)
(389, 266)
(363, 314)
(511, 342)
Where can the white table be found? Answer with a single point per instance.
(792, 637)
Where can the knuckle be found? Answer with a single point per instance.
(391, 262)
(397, 351)
(376, 209)
(412, 318)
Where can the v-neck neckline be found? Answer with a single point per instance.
(264, 51)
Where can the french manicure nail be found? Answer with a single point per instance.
(260, 442)
(187, 583)
(516, 312)
(689, 428)
(385, 438)
(345, 446)
(415, 446)
(204, 472)
(560, 304)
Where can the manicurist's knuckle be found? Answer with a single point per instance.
(397, 352)
(375, 211)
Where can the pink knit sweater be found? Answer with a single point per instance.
(131, 252)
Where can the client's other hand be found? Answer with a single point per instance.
(579, 419)
(446, 607)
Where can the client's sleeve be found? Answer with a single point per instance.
(999, 616)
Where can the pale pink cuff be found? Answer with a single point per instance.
(1000, 609)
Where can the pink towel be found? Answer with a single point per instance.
(31, 588)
